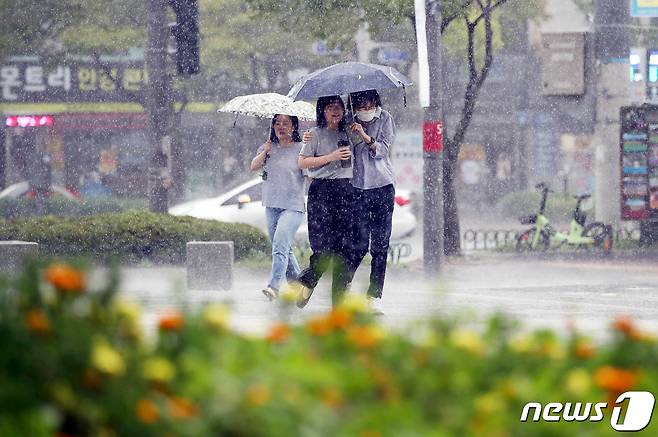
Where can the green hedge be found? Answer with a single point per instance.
(130, 236)
(559, 208)
(25, 207)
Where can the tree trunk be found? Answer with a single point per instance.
(451, 229)
(477, 76)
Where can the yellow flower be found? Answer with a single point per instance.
(578, 381)
(554, 349)
(128, 309)
(63, 394)
(158, 369)
(357, 303)
(521, 344)
(106, 359)
(489, 403)
(217, 316)
(65, 278)
(288, 295)
(467, 340)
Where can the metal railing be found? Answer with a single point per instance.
(496, 239)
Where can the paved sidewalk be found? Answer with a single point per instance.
(554, 293)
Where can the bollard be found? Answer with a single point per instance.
(209, 265)
(13, 253)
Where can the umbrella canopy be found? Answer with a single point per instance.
(267, 105)
(345, 78)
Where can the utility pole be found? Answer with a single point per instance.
(3, 158)
(611, 37)
(433, 145)
(158, 105)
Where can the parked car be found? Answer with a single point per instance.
(23, 190)
(243, 204)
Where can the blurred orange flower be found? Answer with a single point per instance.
(319, 326)
(331, 397)
(91, 379)
(584, 350)
(147, 411)
(614, 379)
(339, 317)
(171, 320)
(624, 324)
(278, 333)
(37, 321)
(258, 394)
(65, 278)
(181, 408)
(364, 336)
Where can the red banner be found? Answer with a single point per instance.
(432, 136)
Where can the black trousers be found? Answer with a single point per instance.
(373, 215)
(330, 226)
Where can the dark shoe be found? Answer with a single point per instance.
(271, 293)
(304, 295)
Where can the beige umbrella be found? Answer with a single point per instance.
(267, 105)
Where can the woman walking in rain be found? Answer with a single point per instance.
(373, 133)
(283, 197)
(327, 156)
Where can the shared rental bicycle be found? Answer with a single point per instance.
(543, 236)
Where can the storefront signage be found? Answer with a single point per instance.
(28, 81)
(639, 163)
(644, 8)
(29, 121)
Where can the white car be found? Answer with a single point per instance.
(243, 205)
(22, 189)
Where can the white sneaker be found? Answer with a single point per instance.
(375, 305)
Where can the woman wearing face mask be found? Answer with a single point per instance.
(327, 156)
(283, 197)
(373, 133)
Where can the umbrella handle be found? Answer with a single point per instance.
(404, 93)
(236, 119)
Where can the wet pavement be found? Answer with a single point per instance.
(552, 292)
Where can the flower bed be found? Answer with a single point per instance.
(75, 362)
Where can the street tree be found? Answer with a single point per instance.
(471, 31)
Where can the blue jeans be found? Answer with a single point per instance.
(282, 225)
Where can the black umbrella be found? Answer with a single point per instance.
(345, 78)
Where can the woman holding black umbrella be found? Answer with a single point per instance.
(327, 158)
(373, 133)
(374, 193)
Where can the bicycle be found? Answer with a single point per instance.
(542, 235)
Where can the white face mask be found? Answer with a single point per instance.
(366, 115)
